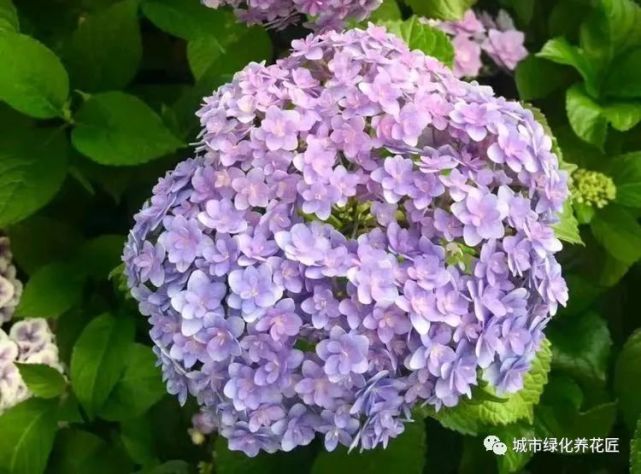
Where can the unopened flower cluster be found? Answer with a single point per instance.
(10, 286)
(322, 14)
(592, 188)
(474, 35)
(361, 232)
(28, 342)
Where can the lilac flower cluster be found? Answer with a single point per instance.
(29, 341)
(10, 286)
(473, 35)
(322, 14)
(361, 232)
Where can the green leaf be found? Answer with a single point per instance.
(618, 232)
(250, 44)
(595, 422)
(583, 212)
(139, 388)
(137, 438)
(40, 240)
(624, 77)
(581, 347)
(101, 255)
(635, 450)
(567, 229)
(559, 51)
(627, 379)
(473, 458)
(105, 50)
(43, 381)
(69, 327)
(33, 165)
(69, 410)
(8, 17)
(114, 128)
(583, 290)
(388, 10)
(560, 420)
(32, 78)
(524, 9)
(404, 454)
(51, 291)
(97, 360)
(186, 19)
(623, 115)
(576, 151)
(612, 271)
(469, 416)
(536, 78)
(611, 29)
(586, 116)
(442, 9)
(513, 461)
(563, 20)
(77, 452)
(28, 430)
(218, 73)
(201, 52)
(625, 171)
(170, 467)
(423, 37)
(562, 392)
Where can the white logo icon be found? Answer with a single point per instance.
(494, 444)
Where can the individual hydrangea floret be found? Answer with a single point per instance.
(475, 35)
(592, 188)
(360, 232)
(322, 14)
(10, 286)
(29, 341)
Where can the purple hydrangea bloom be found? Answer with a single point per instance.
(482, 216)
(149, 261)
(323, 14)
(343, 353)
(467, 58)
(183, 241)
(396, 178)
(253, 291)
(223, 217)
(10, 286)
(474, 35)
(202, 296)
(281, 321)
(222, 337)
(28, 341)
(505, 47)
(321, 306)
(359, 233)
(316, 388)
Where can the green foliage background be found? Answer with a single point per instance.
(97, 100)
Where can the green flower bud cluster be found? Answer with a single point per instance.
(592, 188)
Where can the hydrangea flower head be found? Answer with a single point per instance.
(370, 234)
(10, 286)
(322, 14)
(475, 34)
(29, 341)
